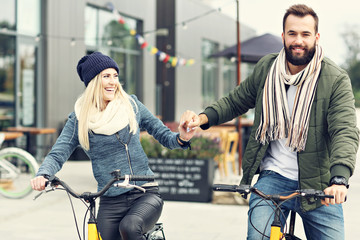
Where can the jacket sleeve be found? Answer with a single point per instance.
(155, 127)
(62, 149)
(342, 128)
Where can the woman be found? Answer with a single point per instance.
(106, 123)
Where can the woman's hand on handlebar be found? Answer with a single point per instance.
(38, 183)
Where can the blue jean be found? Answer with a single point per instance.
(323, 223)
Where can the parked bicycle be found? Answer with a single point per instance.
(278, 231)
(89, 199)
(17, 167)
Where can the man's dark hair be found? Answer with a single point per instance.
(301, 10)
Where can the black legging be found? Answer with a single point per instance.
(130, 215)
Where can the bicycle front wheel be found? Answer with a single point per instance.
(17, 167)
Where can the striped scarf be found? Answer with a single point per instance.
(275, 122)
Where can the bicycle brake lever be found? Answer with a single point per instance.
(126, 184)
(38, 195)
(43, 191)
(139, 188)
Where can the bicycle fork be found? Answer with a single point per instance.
(93, 233)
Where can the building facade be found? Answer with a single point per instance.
(42, 40)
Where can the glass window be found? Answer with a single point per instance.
(246, 70)
(229, 76)
(18, 61)
(131, 74)
(28, 17)
(27, 85)
(114, 34)
(209, 72)
(120, 59)
(7, 14)
(7, 76)
(90, 26)
(104, 33)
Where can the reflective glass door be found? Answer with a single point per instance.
(26, 86)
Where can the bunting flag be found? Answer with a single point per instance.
(162, 56)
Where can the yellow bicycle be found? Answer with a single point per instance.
(89, 199)
(276, 232)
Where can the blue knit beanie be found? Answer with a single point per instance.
(91, 65)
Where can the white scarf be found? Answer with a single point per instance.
(275, 122)
(109, 121)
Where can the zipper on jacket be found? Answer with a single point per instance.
(127, 151)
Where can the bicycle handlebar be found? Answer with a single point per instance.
(277, 200)
(244, 190)
(55, 181)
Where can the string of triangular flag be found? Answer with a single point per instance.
(162, 56)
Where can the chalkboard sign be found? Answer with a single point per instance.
(184, 179)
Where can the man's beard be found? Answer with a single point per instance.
(299, 61)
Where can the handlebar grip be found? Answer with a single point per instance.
(242, 189)
(140, 178)
(52, 181)
(331, 196)
(328, 196)
(224, 188)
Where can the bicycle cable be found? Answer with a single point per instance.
(74, 214)
(274, 206)
(251, 212)
(84, 221)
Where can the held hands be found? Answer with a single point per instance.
(186, 133)
(338, 191)
(189, 122)
(38, 183)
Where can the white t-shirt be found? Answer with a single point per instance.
(279, 158)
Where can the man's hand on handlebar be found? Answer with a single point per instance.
(338, 191)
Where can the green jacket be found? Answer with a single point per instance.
(333, 137)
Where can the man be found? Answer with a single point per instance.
(304, 134)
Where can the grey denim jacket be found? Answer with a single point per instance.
(109, 153)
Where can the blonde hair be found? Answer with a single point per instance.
(91, 101)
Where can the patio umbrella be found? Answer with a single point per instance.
(254, 48)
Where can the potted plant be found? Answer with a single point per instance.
(184, 175)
